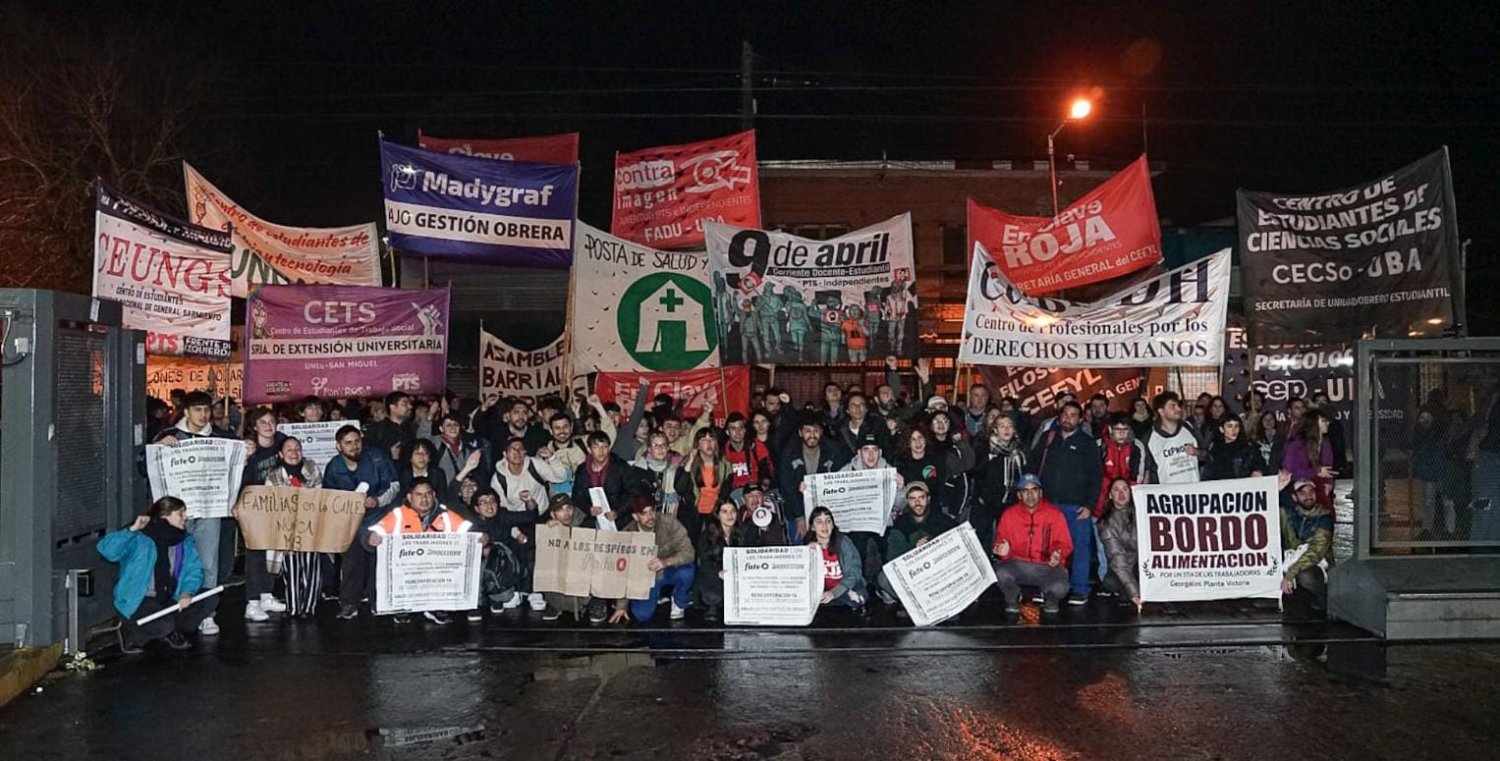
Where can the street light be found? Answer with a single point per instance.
(1079, 110)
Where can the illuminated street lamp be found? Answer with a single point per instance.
(1078, 111)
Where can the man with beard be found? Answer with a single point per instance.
(1306, 526)
(1069, 466)
(1174, 451)
(808, 455)
(917, 526)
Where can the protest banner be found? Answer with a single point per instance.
(544, 149)
(1176, 319)
(941, 578)
(1284, 373)
(860, 500)
(219, 379)
(318, 442)
(299, 520)
(1111, 231)
(480, 210)
(1037, 388)
(728, 390)
(343, 341)
(782, 299)
(772, 586)
(203, 472)
(1212, 540)
(270, 254)
(1377, 258)
(639, 309)
(170, 278)
(428, 571)
(583, 561)
(507, 371)
(665, 195)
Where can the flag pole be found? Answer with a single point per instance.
(566, 376)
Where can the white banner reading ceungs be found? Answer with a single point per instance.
(637, 309)
(860, 500)
(1214, 540)
(938, 580)
(427, 571)
(318, 444)
(204, 473)
(1174, 320)
(510, 372)
(772, 586)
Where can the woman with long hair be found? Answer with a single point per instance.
(708, 475)
(1308, 455)
(843, 582)
(1118, 534)
(721, 531)
(300, 570)
(1267, 437)
(1002, 461)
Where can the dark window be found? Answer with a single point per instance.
(955, 243)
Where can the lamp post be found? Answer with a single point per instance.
(1076, 112)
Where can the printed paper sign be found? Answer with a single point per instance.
(547, 149)
(772, 586)
(510, 372)
(860, 500)
(943, 577)
(299, 520)
(1213, 540)
(692, 388)
(318, 443)
(606, 564)
(428, 571)
(664, 196)
(170, 278)
(204, 473)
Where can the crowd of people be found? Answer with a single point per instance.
(1051, 498)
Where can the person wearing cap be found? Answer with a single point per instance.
(1032, 547)
(917, 526)
(872, 546)
(673, 564)
(1306, 528)
(560, 513)
(762, 525)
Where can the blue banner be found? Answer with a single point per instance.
(498, 212)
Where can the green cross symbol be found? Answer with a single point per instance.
(671, 301)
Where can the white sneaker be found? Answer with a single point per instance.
(208, 628)
(253, 612)
(678, 613)
(537, 603)
(270, 604)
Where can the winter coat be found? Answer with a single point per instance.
(620, 482)
(1034, 534)
(1069, 467)
(907, 531)
(792, 470)
(1234, 459)
(673, 546)
(372, 469)
(136, 554)
(1117, 532)
(997, 475)
(1127, 461)
(1313, 528)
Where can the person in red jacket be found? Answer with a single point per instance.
(1032, 547)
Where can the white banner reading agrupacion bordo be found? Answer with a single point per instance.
(783, 299)
(1176, 319)
(1213, 540)
(506, 371)
(428, 571)
(772, 586)
(203, 472)
(941, 578)
(860, 500)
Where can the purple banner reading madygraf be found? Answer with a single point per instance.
(344, 341)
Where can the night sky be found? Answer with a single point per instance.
(1294, 97)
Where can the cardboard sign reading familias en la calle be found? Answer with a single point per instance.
(583, 561)
(299, 520)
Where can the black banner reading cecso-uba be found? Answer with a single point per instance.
(1328, 268)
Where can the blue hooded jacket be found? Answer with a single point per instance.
(136, 554)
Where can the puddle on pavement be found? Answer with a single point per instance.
(600, 666)
(359, 743)
(749, 744)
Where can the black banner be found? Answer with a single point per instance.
(1284, 373)
(1330, 268)
(1037, 388)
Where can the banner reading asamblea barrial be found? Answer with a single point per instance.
(506, 371)
(1176, 319)
(665, 196)
(543, 149)
(1380, 257)
(342, 341)
(637, 309)
(270, 254)
(1111, 231)
(1212, 540)
(785, 300)
(170, 277)
(481, 210)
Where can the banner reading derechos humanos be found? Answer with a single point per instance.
(664, 195)
(342, 341)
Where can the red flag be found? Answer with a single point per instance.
(663, 195)
(1109, 232)
(690, 387)
(548, 149)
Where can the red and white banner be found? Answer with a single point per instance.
(545, 149)
(664, 195)
(691, 387)
(1111, 231)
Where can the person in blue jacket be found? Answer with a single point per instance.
(159, 568)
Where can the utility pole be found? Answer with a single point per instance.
(747, 94)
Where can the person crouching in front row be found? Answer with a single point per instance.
(421, 513)
(673, 564)
(1032, 546)
(159, 569)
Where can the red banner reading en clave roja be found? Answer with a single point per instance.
(547, 149)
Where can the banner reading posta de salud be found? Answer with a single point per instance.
(782, 299)
(665, 195)
(480, 210)
(728, 390)
(170, 278)
(1176, 319)
(1382, 256)
(506, 371)
(342, 341)
(1212, 540)
(544, 149)
(269, 254)
(640, 309)
(1111, 231)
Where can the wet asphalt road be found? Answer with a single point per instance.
(1208, 681)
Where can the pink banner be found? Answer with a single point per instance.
(344, 341)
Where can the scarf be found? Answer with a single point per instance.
(168, 540)
(293, 472)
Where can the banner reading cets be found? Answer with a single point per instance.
(1111, 231)
(663, 195)
(544, 149)
(692, 387)
(344, 341)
